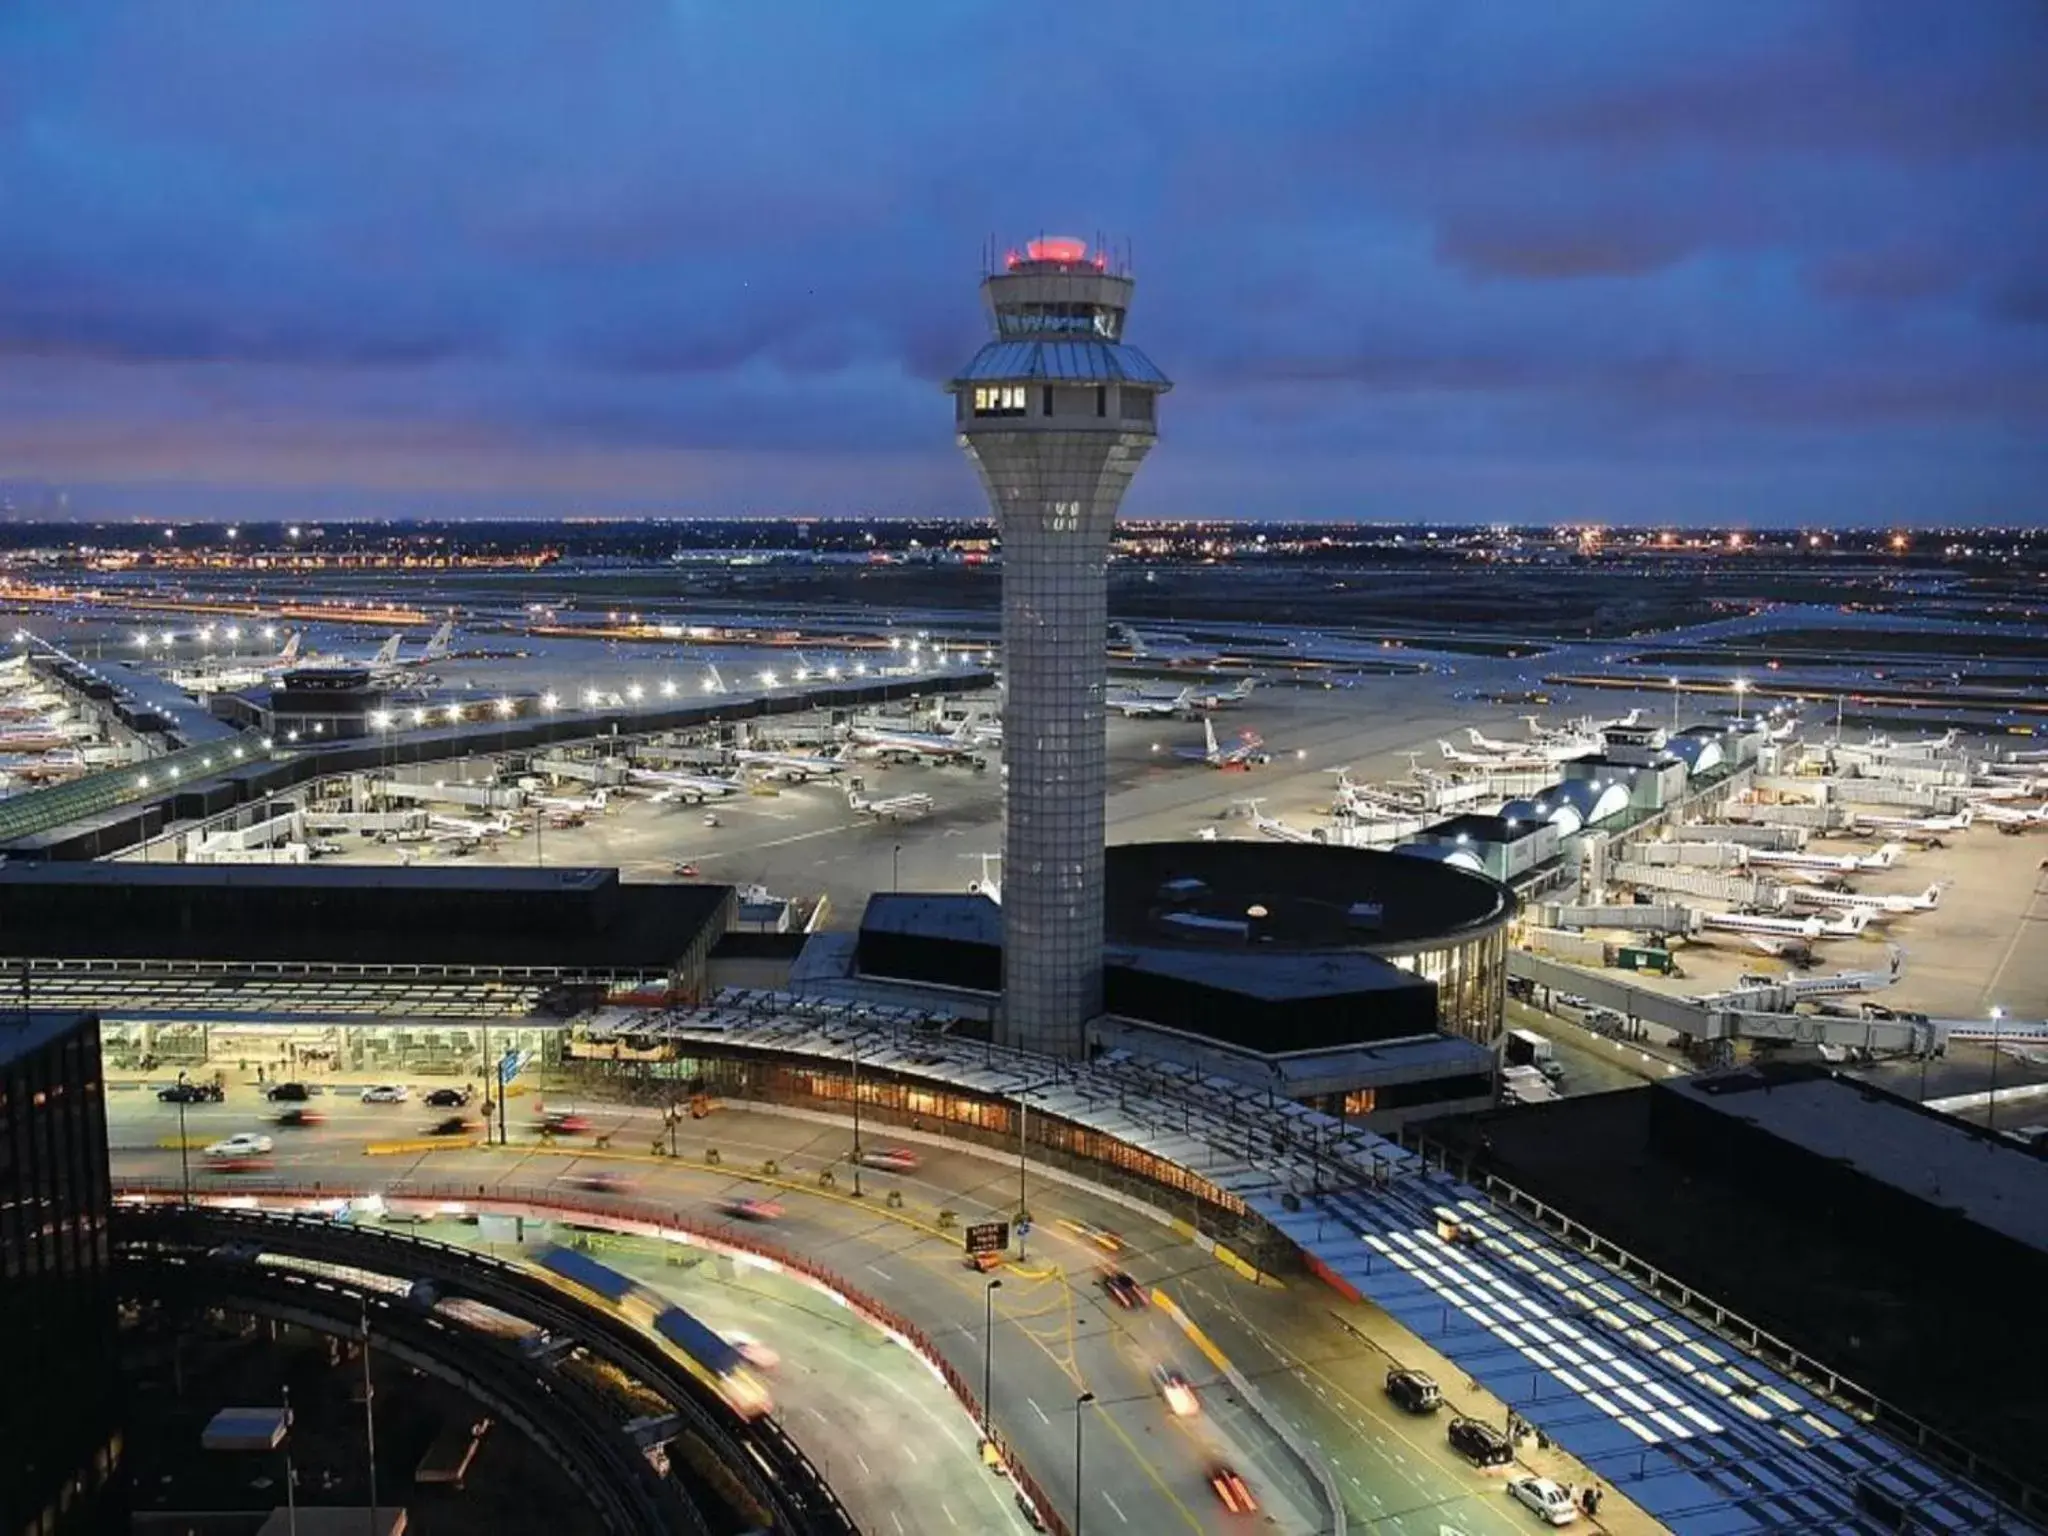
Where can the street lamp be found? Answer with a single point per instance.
(856, 1117)
(1080, 1403)
(988, 1359)
(1741, 687)
(1674, 703)
(1997, 1029)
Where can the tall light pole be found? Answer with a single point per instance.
(856, 1117)
(1997, 1030)
(988, 1359)
(1023, 1210)
(291, 1500)
(369, 1417)
(1080, 1403)
(1741, 687)
(1674, 704)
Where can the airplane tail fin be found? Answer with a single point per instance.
(1886, 856)
(1931, 897)
(387, 653)
(1209, 736)
(716, 682)
(438, 647)
(291, 647)
(1450, 752)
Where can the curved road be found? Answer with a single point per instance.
(1056, 1334)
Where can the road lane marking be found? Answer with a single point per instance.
(1112, 1503)
(1036, 1409)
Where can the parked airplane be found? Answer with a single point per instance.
(887, 741)
(1273, 827)
(889, 807)
(1167, 649)
(1555, 749)
(1826, 863)
(463, 828)
(2014, 818)
(670, 786)
(1959, 822)
(1492, 760)
(594, 801)
(793, 767)
(1773, 935)
(1247, 750)
(1138, 703)
(988, 885)
(1879, 907)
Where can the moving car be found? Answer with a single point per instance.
(1123, 1290)
(1232, 1490)
(1414, 1390)
(601, 1183)
(242, 1144)
(291, 1093)
(190, 1093)
(448, 1098)
(1178, 1391)
(753, 1351)
(1101, 1237)
(454, 1125)
(564, 1122)
(751, 1209)
(1479, 1443)
(890, 1159)
(386, 1093)
(301, 1118)
(1545, 1497)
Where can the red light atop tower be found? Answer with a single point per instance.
(1060, 248)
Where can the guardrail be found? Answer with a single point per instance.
(647, 1219)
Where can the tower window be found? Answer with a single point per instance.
(1000, 400)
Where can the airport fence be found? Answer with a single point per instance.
(646, 1219)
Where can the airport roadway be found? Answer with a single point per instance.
(886, 1443)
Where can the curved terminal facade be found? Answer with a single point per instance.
(1056, 413)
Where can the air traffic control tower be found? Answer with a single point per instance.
(1056, 414)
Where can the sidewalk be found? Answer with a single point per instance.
(1466, 1397)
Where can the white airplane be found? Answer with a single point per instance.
(988, 885)
(1959, 822)
(1167, 649)
(1248, 749)
(793, 767)
(1138, 703)
(1491, 760)
(1773, 935)
(890, 807)
(445, 828)
(1555, 749)
(1273, 827)
(2014, 818)
(1826, 863)
(886, 741)
(1221, 698)
(594, 801)
(1879, 907)
(669, 786)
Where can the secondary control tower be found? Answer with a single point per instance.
(1056, 414)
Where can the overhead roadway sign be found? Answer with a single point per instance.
(987, 1237)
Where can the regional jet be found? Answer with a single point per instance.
(1959, 822)
(886, 741)
(1825, 863)
(1879, 907)
(1275, 828)
(1774, 935)
(793, 767)
(1138, 703)
(1168, 650)
(669, 786)
(1491, 760)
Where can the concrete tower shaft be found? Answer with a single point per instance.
(1056, 414)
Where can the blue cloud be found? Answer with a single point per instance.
(1422, 258)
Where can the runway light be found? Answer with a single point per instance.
(454, 713)
(635, 692)
(1300, 754)
(590, 698)
(381, 720)
(668, 688)
(710, 685)
(142, 781)
(767, 679)
(507, 708)
(142, 639)
(170, 637)
(291, 735)
(832, 673)
(861, 670)
(270, 631)
(419, 717)
(550, 701)
(234, 632)
(803, 674)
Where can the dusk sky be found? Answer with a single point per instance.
(1758, 262)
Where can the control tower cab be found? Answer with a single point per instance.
(1056, 413)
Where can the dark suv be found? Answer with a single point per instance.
(1414, 1391)
(287, 1093)
(448, 1098)
(190, 1093)
(1480, 1443)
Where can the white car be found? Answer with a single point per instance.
(1545, 1497)
(247, 1144)
(386, 1093)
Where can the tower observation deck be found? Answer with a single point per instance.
(1056, 413)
